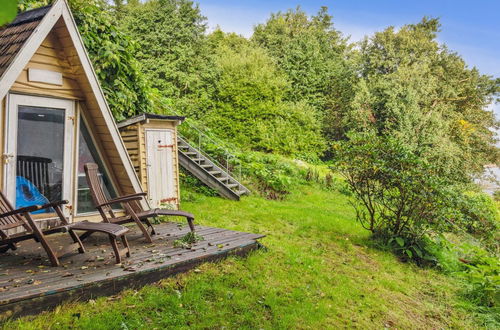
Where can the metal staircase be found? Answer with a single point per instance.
(209, 171)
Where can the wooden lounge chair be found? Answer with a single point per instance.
(11, 218)
(131, 203)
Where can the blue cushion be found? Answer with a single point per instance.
(27, 194)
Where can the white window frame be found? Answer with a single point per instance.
(11, 121)
(82, 117)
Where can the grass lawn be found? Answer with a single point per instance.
(319, 270)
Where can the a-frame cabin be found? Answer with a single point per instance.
(54, 117)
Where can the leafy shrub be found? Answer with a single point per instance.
(477, 214)
(483, 274)
(249, 106)
(496, 195)
(273, 176)
(192, 184)
(419, 249)
(396, 192)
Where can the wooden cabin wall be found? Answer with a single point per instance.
(95, 116)
(134, 137)
(50, 56)
(130, 136)
(57, 53)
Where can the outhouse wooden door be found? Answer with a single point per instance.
(160, 167)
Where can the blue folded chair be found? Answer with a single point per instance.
(27, 194)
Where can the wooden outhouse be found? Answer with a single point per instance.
(151, 141)
(54, 117)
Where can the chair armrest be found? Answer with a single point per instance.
(141, 194)
(33, 208)
(120, 200)
(26, 209)
(53, 204)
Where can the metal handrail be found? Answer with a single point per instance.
(202, 136)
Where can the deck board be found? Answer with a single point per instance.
(29, 285)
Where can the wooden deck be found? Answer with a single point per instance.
(28, 285)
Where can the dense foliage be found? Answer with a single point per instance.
(397, 192)
(8, 11)
(225, 81)
(173, 50)
(403, 117)
(416, 90)
(249, 103)
(315, 58)
(112, 53)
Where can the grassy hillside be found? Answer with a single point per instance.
(319, 270)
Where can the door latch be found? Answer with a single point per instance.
(7, 158)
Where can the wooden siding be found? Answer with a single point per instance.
(58, 53)
(130, 136)
(50, 56)
(134, 137)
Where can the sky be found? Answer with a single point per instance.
(471, 28)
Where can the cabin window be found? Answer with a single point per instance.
(87, 153)
(40, 156)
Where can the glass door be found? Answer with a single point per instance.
(39, 149)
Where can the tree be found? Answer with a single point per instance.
(314, 56)
(173, 50)
(8, 11)
(397, 194)
(112, 54)
(249, 102)
(418, 91)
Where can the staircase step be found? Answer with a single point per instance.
(204, 168)
(214, 173)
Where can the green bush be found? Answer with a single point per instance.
(249, 106)
(483, 274)
(273, 176)
(477, 214)
(191, 184)
(396, 192)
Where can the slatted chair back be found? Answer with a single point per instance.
(96, 190)
(36, 170)
(12, 221)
